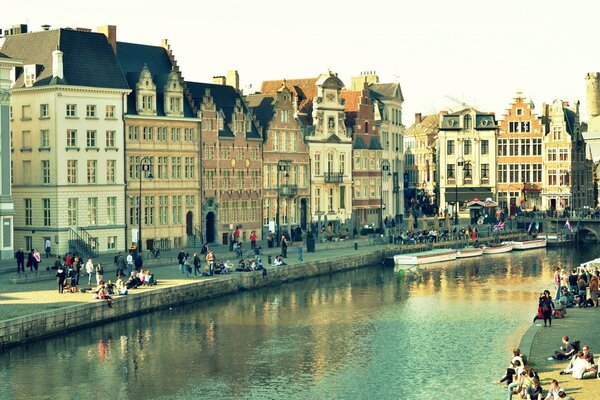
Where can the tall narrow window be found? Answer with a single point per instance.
(71, 171)
(44, 138)
(110, 138)
(92, 210)
(92, 166)
(111, 166)
(72, 211)
(45, 172)
(46, 212)
(28, 212)
(91, 138)
(111, 210)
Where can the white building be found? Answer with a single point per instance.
(67, 110)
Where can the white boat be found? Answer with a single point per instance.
(424, 257)
(592, 263)
(529, 244)
(497, 249)
(469, 252)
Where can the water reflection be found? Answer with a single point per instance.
(351, 335)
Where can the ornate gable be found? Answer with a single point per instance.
(145, 93)
(173, 96)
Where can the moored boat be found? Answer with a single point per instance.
(424, 257)
(498, 248)
(469, 252)
(529, 244)
(588, 264)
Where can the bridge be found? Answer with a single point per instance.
(585, 229)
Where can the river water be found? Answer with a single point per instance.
(369, 333)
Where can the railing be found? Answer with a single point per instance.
(82, 243)
(288, 190)
(197, 234)
(334, 177)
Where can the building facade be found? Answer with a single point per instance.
(286, 168)
(7, 209)
(162, 146)
(520, 157)
(466, 158)
(67, 141)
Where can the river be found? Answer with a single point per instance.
(368, 333)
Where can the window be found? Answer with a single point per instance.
(525, 127)
(330, 200)
(226, 179)
(551, 154)
(556, 132)
(111, 210)
(513, 126)
(502, 147)
(91, 139)
(28, 212)
(467, 122)
(45, 138)
(46, 212)
(240, 180)
(342, 163)
(92, 210)
(71, 171)
(467, 174)
(485, 146)
(111, 242)
(45, 172)
(254, 179)
(148, 133)
(189, 167)
(525, 173)
(44, 111)
(485, 171)
(342, 197)
(25, 112)
(149, 210)
(188, 135)
(176, 167)
(502, 173)
(110, 112)
(163, 166)
(91, 171)
(564, 177)
(552, 177)
(450, 171)
(318, 199)
(513, 173)
(330, 163)
(133, 133)
(284, 116)
(147, 102)
(513, 147)
(519, 111)
(163, 210)
(176, 210)
(71, 110)
(111, 167)
(72, 211)
(563, 154)
(190, 200)
(525, 147)
(110, 138)
(175, 104)
(134, 210)
(71, 137)
(317, 163)
(175, 134)
(467, 147)
(537, 173)
(450, 147)
(536, 147)
(26, 138)
(90, 111)
(161, 134)
(254, 210)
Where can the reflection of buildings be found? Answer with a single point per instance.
(467, 156)
(520, 158)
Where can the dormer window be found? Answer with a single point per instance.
(173, 99)
(146, 93)
(30, 74)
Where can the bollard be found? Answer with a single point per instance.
(355, 246)
(269, 260)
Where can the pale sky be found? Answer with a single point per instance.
(480, 52)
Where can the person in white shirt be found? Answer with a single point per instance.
(554, 391)
(583, 368)
(129, 264)
(48, 248)
(89, 268)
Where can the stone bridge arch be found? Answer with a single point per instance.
(588, 234)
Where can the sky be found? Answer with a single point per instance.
(443, 53)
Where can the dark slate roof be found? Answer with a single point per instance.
(263, 107)
(359, 143)
(132, 58)
(375, 145)
(224, 97)
(570, 118)
(88, 58)
(386, 90)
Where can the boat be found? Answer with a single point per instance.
(589, 264)
(498, 248)
(529, 244)
(424, 257)
(469, 252)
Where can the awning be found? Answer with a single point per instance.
(467, 194)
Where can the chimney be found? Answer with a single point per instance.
(57, 63)
(233, 79)
(418, 118)
(110, 31)
(219, 80)
(46, 27)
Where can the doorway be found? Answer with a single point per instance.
(303, 209)
(189, 223)
(210, 227)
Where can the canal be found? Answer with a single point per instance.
(368, 333)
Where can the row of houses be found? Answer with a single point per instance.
(111, 147)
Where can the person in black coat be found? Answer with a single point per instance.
(284, 246)
(60, 278)
(138, 262)
(20, 256)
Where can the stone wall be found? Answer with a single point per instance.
(50, 323)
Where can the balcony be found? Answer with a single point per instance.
(288, 190)
(333, 177)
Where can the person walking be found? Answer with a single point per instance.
(210, 260)
(48, 248)
(36, 259)
(60, 278)
(547, 307)
(20, 256)
(89, 269)
(180, 258)
(300, 252)
(253, 238)
(99, 273)
(197, 265)
(284, 246)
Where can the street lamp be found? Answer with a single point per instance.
(385, 167)
(282, 166)
(460, 162)
(145, 165)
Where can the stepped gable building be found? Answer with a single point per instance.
(369, 170)
(567, 167)
(286, 169)
(520, 157)
(420, 163)
(231, 163)
(467, 158)
(7, 210)
(304, 91)
(387, 98)
(67, 141)
(162, 143)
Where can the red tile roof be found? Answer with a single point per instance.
(304, 89)
(352, 98)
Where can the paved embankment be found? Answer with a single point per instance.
(540, 343)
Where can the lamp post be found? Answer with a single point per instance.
(385, 167)
(460, 162)
(144, 165)
(281, 167)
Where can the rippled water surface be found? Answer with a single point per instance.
(446, 334)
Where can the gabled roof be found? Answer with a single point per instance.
(570, 118)
(132, 58)
(352, 100)
(263, 107)
(375, 144)
(225, 98)
(429, 125)
(304, 90)
(386, 90)
(359, 143)
(88, 58)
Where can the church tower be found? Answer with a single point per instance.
(593, 94)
